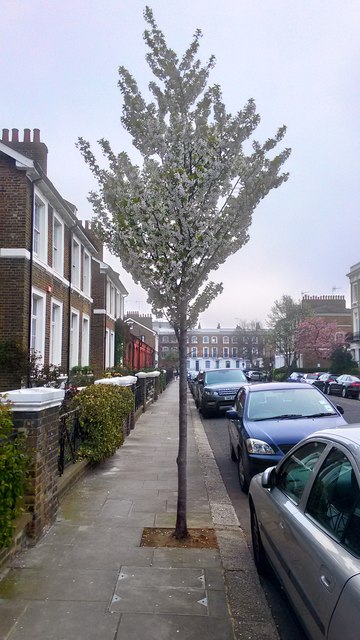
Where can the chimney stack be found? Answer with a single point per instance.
(33, 149)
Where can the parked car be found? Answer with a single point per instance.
(190, 377)
(312, 377)
(267, 420)
(253, 375)
(346, 386)
(305, 522)
(322, 382)
(296, 376)
(216, 390)
(192, 382)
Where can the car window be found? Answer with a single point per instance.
(274, 403)
(352, 533)
(240, 401)
(334, 495)
(224, 376)
(297, 468)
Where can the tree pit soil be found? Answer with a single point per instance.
(164, 537)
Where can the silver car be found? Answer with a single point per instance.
(305, 522)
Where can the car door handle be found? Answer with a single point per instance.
(326, 581)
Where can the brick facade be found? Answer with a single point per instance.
(55, 290)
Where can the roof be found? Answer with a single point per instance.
(36, 174)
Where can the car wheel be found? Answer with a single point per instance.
(260, 559)
(232, 452)
(343, 392)
(205, 412)
(243, 479)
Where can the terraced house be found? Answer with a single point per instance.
(58, 297)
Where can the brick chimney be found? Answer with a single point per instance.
(33, 149)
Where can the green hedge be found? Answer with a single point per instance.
(13, 473)
(103, 409)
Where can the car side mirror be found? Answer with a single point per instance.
(340, 409)
(268, 478)
(231, 414)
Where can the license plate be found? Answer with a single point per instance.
(229, 397)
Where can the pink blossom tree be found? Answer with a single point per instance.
(318, 338)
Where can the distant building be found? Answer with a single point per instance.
(215, 348)
(141, 326)
(331, 309)
(354, 278)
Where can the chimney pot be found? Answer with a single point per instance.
(15, 135)
(5, 135)
(27, 135)
(36, 135)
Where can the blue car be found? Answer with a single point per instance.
(267, 420)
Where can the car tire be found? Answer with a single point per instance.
(260, 559)
(232, 452)
(343, 392)
(205, 412)
(243, 479)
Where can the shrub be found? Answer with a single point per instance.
(13, 470)
(103, 409)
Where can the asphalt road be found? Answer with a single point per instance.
(216, 430)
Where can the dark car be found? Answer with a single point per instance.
(269, 419)
(216, 390)
(305, 521)
(322, 382)
(253, 375)
(346, 386)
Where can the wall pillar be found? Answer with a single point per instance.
(36, 413)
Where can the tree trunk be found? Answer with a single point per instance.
(181, 521)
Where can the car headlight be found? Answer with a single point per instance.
(210, 392)
(259, 447)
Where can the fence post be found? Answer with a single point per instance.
(36, 412)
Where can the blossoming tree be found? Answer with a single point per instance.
(188, 207)
(317, 338)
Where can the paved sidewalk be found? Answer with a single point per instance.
(88, 578)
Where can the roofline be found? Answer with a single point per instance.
(140, 325)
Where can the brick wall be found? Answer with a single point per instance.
(42, 430)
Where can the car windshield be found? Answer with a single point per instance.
(272, 404)
(224, 376)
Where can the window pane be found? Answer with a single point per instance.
(334, 494)
(297, 469)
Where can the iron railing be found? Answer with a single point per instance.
(69, 439)
(138, 395)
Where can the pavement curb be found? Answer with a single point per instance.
(247, 603)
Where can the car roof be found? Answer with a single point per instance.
(349, 435)
(276, 386)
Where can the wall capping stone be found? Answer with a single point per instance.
(35, 399)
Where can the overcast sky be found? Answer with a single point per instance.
(298, 59)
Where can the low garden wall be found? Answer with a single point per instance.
(56, 462)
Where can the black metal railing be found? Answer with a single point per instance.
(69, 439)
(137, 395)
